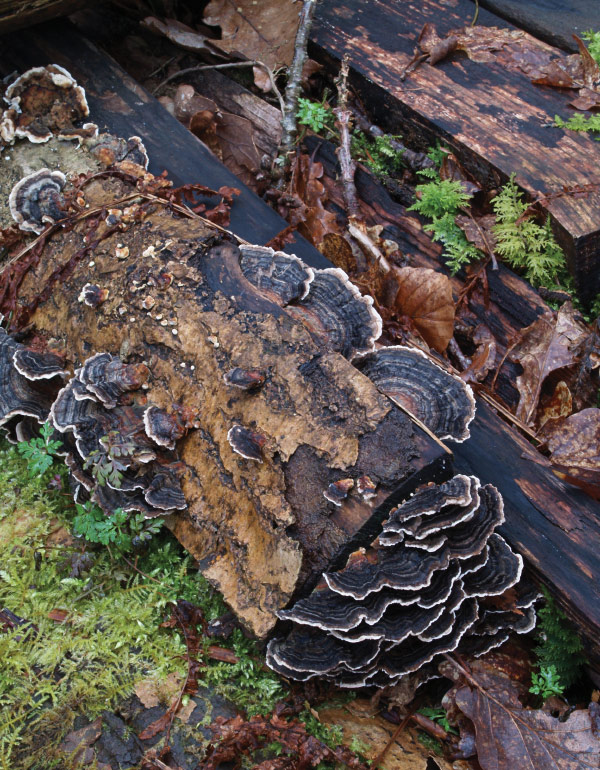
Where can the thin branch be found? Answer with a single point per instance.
(229, 65)
(381, 756)
(289, 126)
(347, 164)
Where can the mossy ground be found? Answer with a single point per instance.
(89, 638)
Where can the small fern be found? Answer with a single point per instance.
(441, 200)
(378, 154)
(579, 121)
(522, 242)
(558, 646)
(316, 115)
(547, 683)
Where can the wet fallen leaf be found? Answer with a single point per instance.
(483, 360)
(77, 744)
(560, 404)
(487, 703)
(550, 343)
(361, 721)
(183, 36)
(509, 736)
(262, 31)
(479, 231)
(425, 297)
(437, 48)
(575, 441)
(306, 210)
(58, 616)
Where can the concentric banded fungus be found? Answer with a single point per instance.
(47, 101)
(92, 295)
(337, 492)
(246, 443)
(338, 314)
(105, 429)
(412, 604)
(109, 379)
(163, 428)
(441, 401)
(283, 277)
(37, 199)
(245, 379)
(29, 381)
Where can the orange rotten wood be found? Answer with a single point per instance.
(497, 122)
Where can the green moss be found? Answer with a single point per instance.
(110, 635)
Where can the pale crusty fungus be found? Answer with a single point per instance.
(37, 200)
(92, 295)
(47, 101)
(441, 401)
(396, 607)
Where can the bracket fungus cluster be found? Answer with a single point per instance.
(29, 382)
(96, 412)
(440, 400)
(424, 587)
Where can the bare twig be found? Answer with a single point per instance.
(347, 163)
(381, 756)
(458, 354)
(229, 65)
(367, 245)
(289, 126)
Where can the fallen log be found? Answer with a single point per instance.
(280, 415)
(15, 14)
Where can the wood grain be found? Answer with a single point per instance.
(496, 121)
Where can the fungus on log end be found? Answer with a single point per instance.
(37, 200)
(29, 382)
(46, 101)
(261, 531)
(441, 401)
(409, 605)
(111, 453)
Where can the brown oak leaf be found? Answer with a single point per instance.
(425, 297)
(550, 343)
(262, 31)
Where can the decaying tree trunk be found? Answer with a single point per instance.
(15, 14)
(178, 300)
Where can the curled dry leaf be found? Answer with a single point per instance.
(425, 297)
(262, 31)
(307, 210)
(230, 137)
(552, 342)
(560, 404)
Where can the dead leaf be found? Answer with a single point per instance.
(360, 720)
(262, 79)
(425, 297)
(58, 616)
(586, 99)
(77, 744)
(156, 692)
(509, 736)
(550, 343)
(589, 66)
(182, 35)
(437, 48)
(229, 136)
(560, 404)
(307, 210)
(479, 231)
(483, 360)
(262, 31)
(575, 441)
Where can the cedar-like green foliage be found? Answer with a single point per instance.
(441, 200)
(558, 646)
(378, 154)
(522, 242)
(593, 43)
(579, 121)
